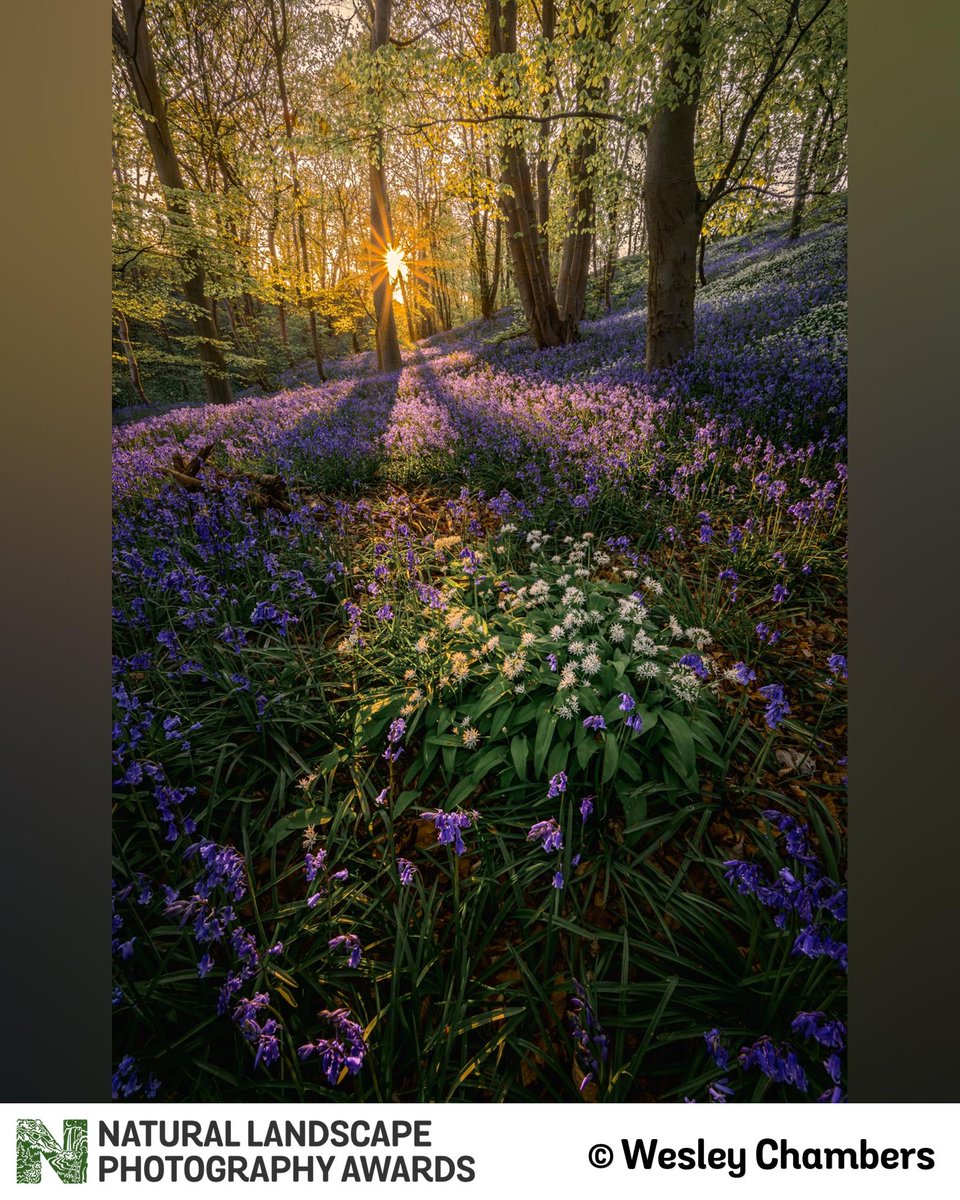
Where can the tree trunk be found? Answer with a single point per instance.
(548, 25)
(531, 267)
(381, 230)
(132, 38)
(672, 201)
(123, 330)
(278, 29)
(801, 179)
(578, 244)
(381, 239)
(277, 288)
(497, 258)
(575, 257)
(701, 273)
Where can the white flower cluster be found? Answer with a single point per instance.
(620, 627)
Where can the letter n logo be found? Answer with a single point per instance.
(35, 1142)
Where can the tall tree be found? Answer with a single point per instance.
(762, 44)
(528, 250)
(279, 40)
(131, 37)
(672, 201)
(381, 227)
(599, 23)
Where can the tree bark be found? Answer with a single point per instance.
(531, 267)
(548, 26)
(578, 244)
(132, 38)
(277, 285)
(672, 201)
(278, 30)
(381, 230)
(123, 330)
(801, 179)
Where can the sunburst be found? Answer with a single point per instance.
(403, 262)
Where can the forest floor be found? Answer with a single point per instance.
(481, 728)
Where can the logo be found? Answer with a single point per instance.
(35, 1143)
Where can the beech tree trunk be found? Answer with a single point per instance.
(381, 230)
(673, 205)
(278, 29)
(801, 179)
(278, 287)
(578, 244)
(575, 257)
(531, 266)
(548, 26)
(132, 38)
(133, 366)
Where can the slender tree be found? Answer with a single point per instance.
(279, 34)
(381, 228)
(131, 37)
(672, 200)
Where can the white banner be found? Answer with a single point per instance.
(485, 1151)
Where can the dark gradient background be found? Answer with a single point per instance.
(905, 738)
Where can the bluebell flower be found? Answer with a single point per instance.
(345, 1051)
(449, 827)
(837, 666)
(394, 736)
(550, 832)
(721, 1055)
(777, 705)
(268, 1044)
(313, 864)
(745, 876)
(596, 723)
(126, 1079)
(778, 1063)
(828, 1031)
(696, 665)
(351, 944)
(558, 785)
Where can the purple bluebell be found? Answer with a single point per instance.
(449, 827)
(558, 785)
(550, 833)
(351, 943)
(777, 705)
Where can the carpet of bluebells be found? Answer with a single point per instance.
(480, 730)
